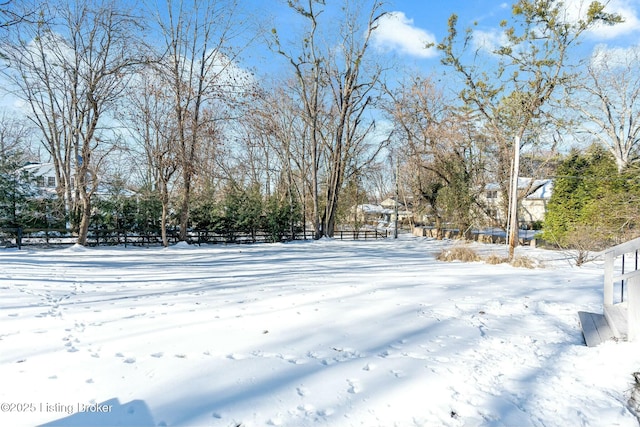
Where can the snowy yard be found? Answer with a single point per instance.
(326, 333)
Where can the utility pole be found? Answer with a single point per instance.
(513, 200)
(395, 229)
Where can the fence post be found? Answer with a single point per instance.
(609, 259)
(633, 307)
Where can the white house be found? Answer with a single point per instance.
(382, 214)
(44, 175)
(532, 208)
(45, 181)
(404, 210)
(371, 214)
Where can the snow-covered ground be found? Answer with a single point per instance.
(325, 333)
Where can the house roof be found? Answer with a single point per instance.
(540, 188)
(47, 170)
(39, 169)
(373, 209)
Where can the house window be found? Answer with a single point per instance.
(51, 181)
(492, 194)
(40, 181)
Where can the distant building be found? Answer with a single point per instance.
(45, 181)
(383, 214)
(44, 176)
(532, 208)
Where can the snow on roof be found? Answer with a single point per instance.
(370, 209)
(543, 189)
(540, 188)
(39, 169)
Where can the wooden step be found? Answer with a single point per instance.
(595, 328)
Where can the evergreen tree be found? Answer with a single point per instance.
(148, 212)
(16, 189)
(592, 204)
(567, 199)
(279, 217)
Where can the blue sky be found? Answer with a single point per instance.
(411, 23)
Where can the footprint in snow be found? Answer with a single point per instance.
(399, 345)
(277, 421)
(302, 391)
(398, 373)
(306, 408)
(235, 356)
(130, 360)
(354, 386)
(326, 412)
(157, 355)
(292, 359)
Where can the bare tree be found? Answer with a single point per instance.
(336, 87)
(11, 15)
(307, 65)
(528, 69)
(71, 70)
(442, 149)
(608, 102)
(354, 81)
(274, 124)
(14, 132)
(199, 67)
(152, 125)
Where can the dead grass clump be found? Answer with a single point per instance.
(458, 253)
(494, 259)
(523, 262)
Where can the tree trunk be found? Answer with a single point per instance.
(85, 219)
(163, 225)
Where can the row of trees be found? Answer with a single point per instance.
(24, 207)
(174, 116)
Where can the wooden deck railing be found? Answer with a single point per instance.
(623, 313)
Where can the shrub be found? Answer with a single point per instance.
(494, 259)
(523, 262)
(458, 253)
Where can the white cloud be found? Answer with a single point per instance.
(606, 57)
(628, 9)
(396, 32)
(489, 41)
